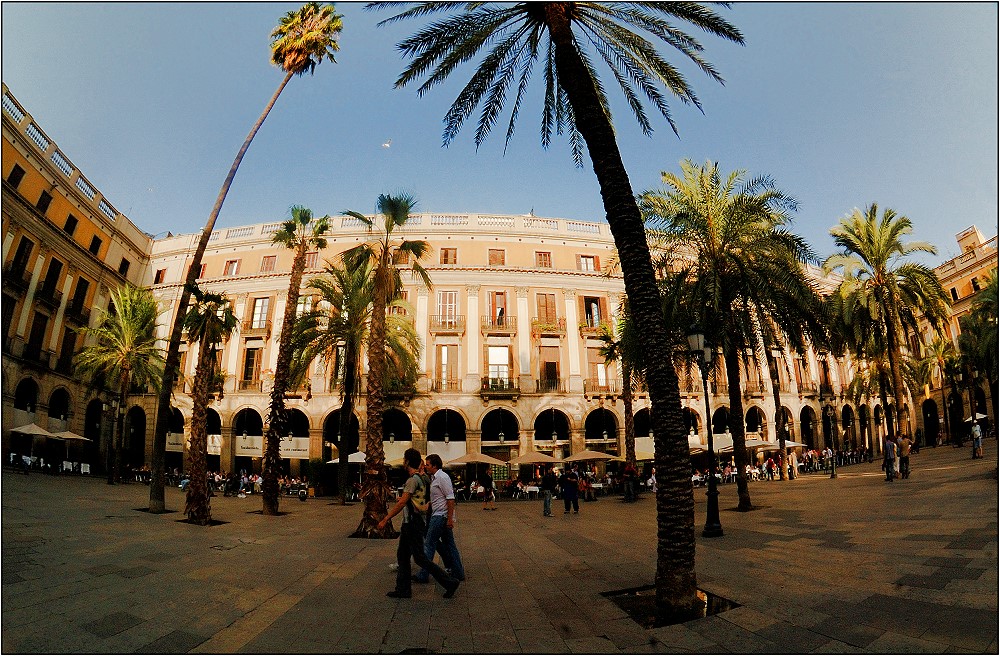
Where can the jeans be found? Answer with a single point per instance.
(411, 545)
(546, 502)
(571, 497)
(904, 466)
(442, 539)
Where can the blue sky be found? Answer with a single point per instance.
(842, 104)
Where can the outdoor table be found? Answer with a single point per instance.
(598, 486)
(532, 489)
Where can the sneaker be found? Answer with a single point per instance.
(396, 594)
(449, 591)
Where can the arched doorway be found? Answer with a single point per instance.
(864, 427)
(332, 435)
(213, 430)
(248, 440)
(134, 442)
(396, 426)
(829, 426)
(551, 425)
(601, 426)
(26, 396)
(92, 430)
(720, 421)
(754, 420)
(807, 425)
(446, 425)
(295, 441)
(790, 431)
(642, 423)
(500, 430)
(931, 423)
(850, 430)
(692, 421)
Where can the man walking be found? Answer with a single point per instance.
(549, 483)
(569, 483)
(904, 456)
(977, 439)
(440, 533)
(413, 504)
(889, 459)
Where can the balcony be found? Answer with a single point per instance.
(594, 327)
(550, 385)
(396, 390)
(447, 324)
(252, 385)
(16, 277)
(49, 296)
(64, 366)
(808, 388)
(547, 328)
(257, 329)
(721, 389)
(36, 355)
(499, 388)
(690, 385)
(753, 388)
(447, 385)
(503, 325)
(826, 390)
(78, 314)
(597, 387)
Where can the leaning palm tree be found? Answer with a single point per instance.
(567, 35)
(123, 353)
(939, 355)
(727, 239)
(209, 321)
(336, 332)
(302, 40)
(623, 350)
(889, 291)
(381, 253)
(300, 232)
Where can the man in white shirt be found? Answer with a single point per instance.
(440, 534)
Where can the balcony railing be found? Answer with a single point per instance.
(64, 365)
(596, 386)
(16, 276)
(546, 328)
(49, 296)
(807, 387)
(252, 385)
(690, 385)
(78, 314)
(825, 389)
(753, 388)
(548, 385)
(447, 385)
(721, 389)
(593, 327)
(257, 329)
(504, 325)
(499, 387)
(447, 323)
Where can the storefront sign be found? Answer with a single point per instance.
(214, 445)
(175, 442)
(248, 445)
(295, 449)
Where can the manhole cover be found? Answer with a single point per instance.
(640, 604)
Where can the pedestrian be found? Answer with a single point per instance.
(413, 503)
(651, 483)
(549, 483)
(569, 485)
(905, 445)
(889, 459)
(489, 495)
(977, 440)
(440, 528)
(631, 474)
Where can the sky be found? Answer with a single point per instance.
(841, 104)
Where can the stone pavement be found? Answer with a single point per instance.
(847, 565)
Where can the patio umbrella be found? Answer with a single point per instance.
(533, 458)
(473, 458)
(979, 415)
(589, 455)
(69, 436)
(356, 458)
(641, 456)
(33, 430)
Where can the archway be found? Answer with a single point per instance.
(932, 422)
(692, 421)
(26, 395)
(878, 426)
(601, 425)
(790, 431)
(500, 425)
(296, 428)
(331, 434)
(864, 426)
(980, 397)
(642, 423)
(134, 442)
(754, 420)
(551, 422)
(807, 424)
(720, 421)
(213, 429)
(829, 423)
(175, 459)
(850, 430)
(92, 425)
(248, 440)
(446, 425)
(956, 418)
(59, 404)
(396, 426)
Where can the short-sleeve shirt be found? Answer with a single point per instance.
(441, 492)
(417, 487)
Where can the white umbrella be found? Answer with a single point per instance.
(589, 455)
(533, 458)
(979, 415)
(472, 458)
(33, 430)
(356, 457)
(70, 435)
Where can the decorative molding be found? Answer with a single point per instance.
(472, 289)
(522, 292)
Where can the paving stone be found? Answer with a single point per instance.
(175, 642)
(112, 624)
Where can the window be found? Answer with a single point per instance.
(70, 226)
(201, 273)
(499, 362)
(546, 308)
(447, 306)
(447, 368)
(588, 263)
(312, 259)
(954, 294)
(251, 364)
(80, 295)
(593, 310)
(159, 276)
(304, 305)
(267, 263)
(95, 245)
(497, 257)
(52, 277)
(15, 177)
(232, 268)
(975, 285)
(396, 309)
(543, 260)
(498, 308)
(22, 255)
(43, 202)
(260, 312)
(449, 256)
(548, 366)
(123, 267)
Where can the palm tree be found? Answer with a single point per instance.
(302, 40)
(623, 350)
(575, 103)
(337, 330)
(984, 320)
(298, 233)
(381, 253)
(744, 271)
(123, 353)
(940, 354)
(888, 292)
(209, 321)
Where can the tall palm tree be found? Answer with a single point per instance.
(940, 354)
(381, 252)
(302, 40)
(984, 320)
(622, 350)
(123, 353)
(300, 232)
(882, 286)
(513, 37)
(336, 331)
(746, 282)
(209, 321)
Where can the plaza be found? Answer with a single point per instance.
(845, 565)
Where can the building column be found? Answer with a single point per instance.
(8, 239)
(57, 325)
(422, 326)
(29, 300)
(573, 341)
(524, 340)
(471, 341)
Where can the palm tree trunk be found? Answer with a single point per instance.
(676, 581)
(629, 418)
(779, 420)
(375, 486)
(163, 414)
(944, 409)
(892, 338)
(737, 427)
(346, 414)
(197, 506)
(276, 415)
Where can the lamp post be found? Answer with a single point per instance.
(779, 413)
(696, 344)
(832, 416)
(959, 437)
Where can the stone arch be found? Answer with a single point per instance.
(134, 441)
(807, 426)
(601, 424)
(446, 424)
(847, 424)
(755, 421)
(396, 425)
(931, 423)
(248, 420)
(720, 420)
(643, 422)
(331, 432)
(501, 425)
(549, 421)
(692, 421)
(296, 423)
(59, 404)
(176, 421)
(26, 395)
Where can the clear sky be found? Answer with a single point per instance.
(842, 104)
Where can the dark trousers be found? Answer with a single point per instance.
(571, 498)
(411, 545)
(904, 466)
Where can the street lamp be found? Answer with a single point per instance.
(831, 415)
(697, 348)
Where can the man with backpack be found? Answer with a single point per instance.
(414, 504)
